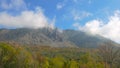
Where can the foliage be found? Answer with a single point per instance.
(17, 56)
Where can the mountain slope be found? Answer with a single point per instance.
(81, 39)
(43, 37)
(51, 37)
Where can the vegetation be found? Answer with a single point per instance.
(17, 56)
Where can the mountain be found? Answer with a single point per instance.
(82, 39)
(51, 37)
(43, 37)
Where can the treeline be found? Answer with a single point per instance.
(17, 56)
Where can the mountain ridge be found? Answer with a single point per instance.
(51, 37)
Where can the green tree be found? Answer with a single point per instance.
(7, 56)
(73, 64)
(24, 58)
(109, 55)
(87, 61)
(57, 62)
(12, 57)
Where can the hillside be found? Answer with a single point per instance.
(82, 39)
(51, 37)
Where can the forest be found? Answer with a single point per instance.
(21, 56)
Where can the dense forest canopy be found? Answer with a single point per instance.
(18, 56)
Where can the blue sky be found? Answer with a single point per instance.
(65, 11)
(93, 16)
(96, 9)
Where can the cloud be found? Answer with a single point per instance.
(110, 30)
(78, 1)
(79, 15)
(13, 4)
(93, 26)
(28, 19)
(77, 25)
(60, 6)
(52, 23)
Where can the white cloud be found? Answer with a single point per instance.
(78, 15)
(79, 1)
(93, 26)
(52, 23)
(60, 6)
(77, 25)
(30, 19)
(13, 4)
(26, 18)
(109, 30)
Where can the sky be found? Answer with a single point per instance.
(92, 16)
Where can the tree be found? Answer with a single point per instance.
(42, 61)
(11, 57)
(88, 61)
(109, 54)
(57, 62)
(24, 58)
(73, 64)
(7, 56)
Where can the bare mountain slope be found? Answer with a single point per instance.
(51, 37)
